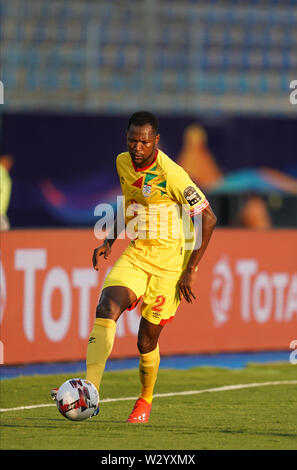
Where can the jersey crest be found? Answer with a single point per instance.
(146, 190)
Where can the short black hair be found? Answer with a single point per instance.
(140, 118)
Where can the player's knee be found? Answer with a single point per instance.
(146, 344)
(106, 308)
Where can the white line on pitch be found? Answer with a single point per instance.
(224, 388)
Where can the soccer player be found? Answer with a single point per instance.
(158, 270)
(159, 265)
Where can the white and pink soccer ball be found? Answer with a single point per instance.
(77, 399)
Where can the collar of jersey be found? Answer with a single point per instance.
(145, 167)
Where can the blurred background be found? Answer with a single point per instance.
(216, 73)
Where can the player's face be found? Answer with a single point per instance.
(142, 143)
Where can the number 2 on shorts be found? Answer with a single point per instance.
(160, 300)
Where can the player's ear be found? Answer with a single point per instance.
(157, 139)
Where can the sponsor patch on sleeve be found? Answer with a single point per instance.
(191, 195)
(198, 209)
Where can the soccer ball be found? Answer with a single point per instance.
(77, 399)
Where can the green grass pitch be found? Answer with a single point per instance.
(259, 417)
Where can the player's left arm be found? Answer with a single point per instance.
(187, 278)
(183, 190)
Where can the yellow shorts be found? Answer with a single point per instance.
(159, 294)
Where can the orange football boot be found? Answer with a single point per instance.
(140, 412)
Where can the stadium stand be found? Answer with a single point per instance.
(201, 56)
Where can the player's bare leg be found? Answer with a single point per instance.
(149, 361)
(114, 301)
(148, 336)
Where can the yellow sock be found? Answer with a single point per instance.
(99, 348)
(148, 371)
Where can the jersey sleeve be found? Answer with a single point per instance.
(183, 190)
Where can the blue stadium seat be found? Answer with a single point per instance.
(285, 82)
(32, 58)
(120, 59)
(264, 84)
(181, 81)
(117, 83)
(75, 82)
(8, 77)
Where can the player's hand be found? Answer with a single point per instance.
(185, 286)
(104, 249)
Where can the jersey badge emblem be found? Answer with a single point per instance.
(146, 190)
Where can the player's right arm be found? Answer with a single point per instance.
(105, 248)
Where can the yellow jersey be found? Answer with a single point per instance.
(159, 201)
